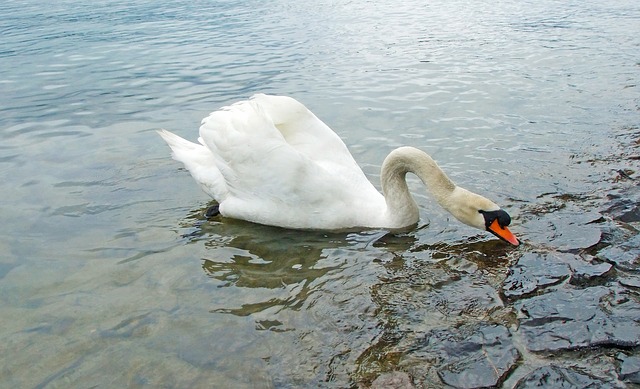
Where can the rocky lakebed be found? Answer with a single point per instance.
(567, 314)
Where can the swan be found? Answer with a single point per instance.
(270, 160)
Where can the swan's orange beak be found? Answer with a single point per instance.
(502, 233)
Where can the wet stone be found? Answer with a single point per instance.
(482, 359)
(630, 281)
(629, 368)
(625, 208)
(569, 319)
(393, 380)
(584, 272)
(536, 271)
(625, 256)
(567, 227)
(559, 377)
(533, 272)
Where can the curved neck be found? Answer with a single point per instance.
(402, 209)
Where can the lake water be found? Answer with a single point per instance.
(111, 277)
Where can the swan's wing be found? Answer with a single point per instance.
(307, 134)
(200, 163)
(270, 180)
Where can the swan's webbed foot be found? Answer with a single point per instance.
(212, 211)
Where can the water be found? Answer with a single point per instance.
(110, 276)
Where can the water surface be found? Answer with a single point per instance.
(110, 276)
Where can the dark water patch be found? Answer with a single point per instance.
(5, 268)
(8, 158)
(134, 326)
(54, 326)
(67, 370)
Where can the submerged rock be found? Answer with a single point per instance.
(630, 281)
(584, 272)
(568, 319)
(393, 380)
(563, 224)
(537, 271)
(533, 272)
(559, 377)
(629, 368)
(625, 256)
(625, 208)
(482, 359)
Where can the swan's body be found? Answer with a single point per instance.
(269, 160)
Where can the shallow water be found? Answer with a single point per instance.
(110, 275)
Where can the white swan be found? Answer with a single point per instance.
(270, 160)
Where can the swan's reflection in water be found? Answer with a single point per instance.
(282, 268)
(285, 270)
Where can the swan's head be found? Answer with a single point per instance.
(496, 222)
(482, 213)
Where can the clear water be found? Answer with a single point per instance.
(109, 275)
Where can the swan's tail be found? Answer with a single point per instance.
(199, 161)
(179, 146)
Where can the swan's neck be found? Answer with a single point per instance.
(402, 209)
